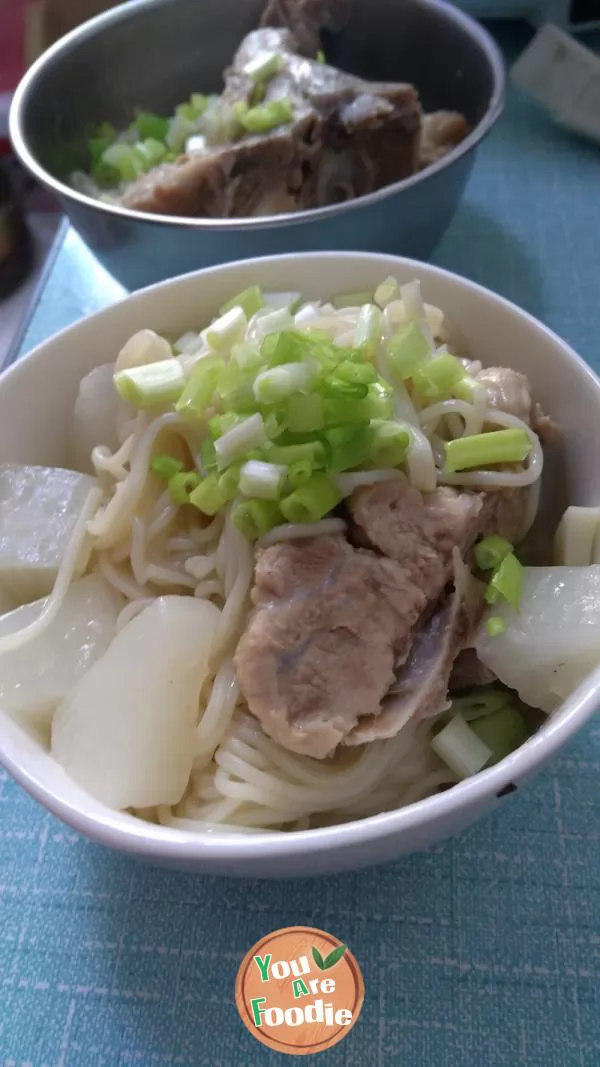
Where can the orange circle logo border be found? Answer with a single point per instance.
(259, 991)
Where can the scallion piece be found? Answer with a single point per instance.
(250, 300)
(312, 501)
(151, 385)
(460, 748)
(208, 456)
(208, 497)
(229, 482)
(227, 330)
(241, 439)
(502, 732)
(483, 449)
(348, 447)
(181, 485)
(219, 425)
(254, 518)
(264, 481)
(495, 625)
(363, 373)
(320, 56)
(263, 66)
(436, 379)
(346, 412)
(247, 356)
(390, 444)
(313, 451)
(149, 125)
(490, 552)
(386, 292)
(367, 332)
(305, 413)
(357, 299)
(407, 351)
(379, 403)
(268, 116)
(506, 583)
(199, 390)
(340, 389)
(166, 466)
(299, 473)
(123, 158)
(277, 383)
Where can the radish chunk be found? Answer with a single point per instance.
(39, 507)
(125, 732)
(34, 678)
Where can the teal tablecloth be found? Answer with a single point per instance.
(485, 952)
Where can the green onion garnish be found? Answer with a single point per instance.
(357, 299)
(181, 485)
(199, 390)
(267, 117)
(483, 449)
(263, 66)
(152, 384)
(312, 501)
(506, 583)
(407, 351)
(166, 466)
(262, 480)
(391, 441)
(495, 625)
(208, 496)
(490, 552)
(435, 379)
(460, 748)
(348, 447)
(502, 732)
(254, 518)
(250, 300)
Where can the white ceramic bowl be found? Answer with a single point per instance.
(36, 399)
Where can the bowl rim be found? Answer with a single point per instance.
(26, 88)
(180, 846)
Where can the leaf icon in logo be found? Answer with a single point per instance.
(334, 957)
(317, 957)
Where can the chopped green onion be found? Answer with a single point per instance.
(229, 482)
(208, 497)
(312, 501)
(506, 583)
(464, 389)
(349, 300)
(208, 455)
(267, 117)
(386, 292)
(199, 103)
(179, 130)
(305, 413)
(340, 389)
(247, 356)
(483, 449)
(97, 146)
(254, 518)
(346, 412)
(221, 424)
(262, 480)
(123, 158)
(363, 373)
(320, 56)
(490, 552)
(152, 384)
(436, 379)
(380, 403)
(149, 125)
(166, 466)
(367, 332)
(250, 300)
(227, 330)
(502, 732)
(277, 383)
(313, 451)
(391, 441)
(460, 748)
(181, 485)
(263, 66)
(199, 390)
(299, 473)
(241, 439)
(407, 351)
(236, 388)
(105, 175)
(275, 421)
(348, 447)
(495, 626)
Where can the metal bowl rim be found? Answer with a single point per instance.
(477, 33)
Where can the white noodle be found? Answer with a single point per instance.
(347, 483)
(295, 531)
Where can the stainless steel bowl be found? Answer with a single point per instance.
(153, 53)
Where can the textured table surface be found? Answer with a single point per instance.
(484, 952)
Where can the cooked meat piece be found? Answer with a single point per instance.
(421, 688)
(420, 530)
(441, 131)
(468, 671)
(347, 138)
(319, 650)
(423, 528)
(306, 19)
(509, 390)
